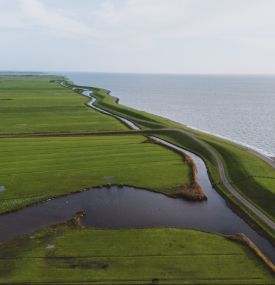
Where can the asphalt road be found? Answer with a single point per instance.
(227, 184)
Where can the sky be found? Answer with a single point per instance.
(138, 36)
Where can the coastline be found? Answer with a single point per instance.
(261, 151)
(263, 154)
(258, 151)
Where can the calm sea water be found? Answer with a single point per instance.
(241, 108)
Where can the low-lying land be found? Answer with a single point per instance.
(34, 169)
(37, 104)
(69, 254)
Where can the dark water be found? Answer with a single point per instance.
(133, 208)
(241, 108)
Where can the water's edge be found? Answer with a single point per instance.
(191, 98)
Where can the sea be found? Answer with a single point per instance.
(240, 108)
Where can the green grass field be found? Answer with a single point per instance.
(33, 104)
(32, 169)
(130, 256)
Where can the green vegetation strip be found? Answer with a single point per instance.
(250, 175)
(70, 254)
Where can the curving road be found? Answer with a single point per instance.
(215, 154)
(227, 184)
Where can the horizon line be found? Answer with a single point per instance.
(137, 73)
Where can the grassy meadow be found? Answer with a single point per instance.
(32, 169)
(67, 254)
(34, 104)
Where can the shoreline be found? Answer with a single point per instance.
(262, 152)
(265, 155)
(254, 149)
(257, 151)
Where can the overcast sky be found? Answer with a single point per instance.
(159, 36)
